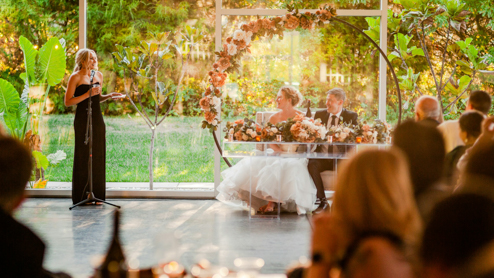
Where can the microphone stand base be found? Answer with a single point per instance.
(91, 199)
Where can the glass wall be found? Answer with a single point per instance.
(183, 151)
(301, 4)
(312, 61)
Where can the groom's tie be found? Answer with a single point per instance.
(333, 120)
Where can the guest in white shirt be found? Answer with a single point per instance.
(478, 100)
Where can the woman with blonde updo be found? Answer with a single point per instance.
(78, 91)
(273, 179)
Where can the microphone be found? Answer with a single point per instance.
(93, 72)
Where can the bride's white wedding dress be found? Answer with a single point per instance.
(273, 179)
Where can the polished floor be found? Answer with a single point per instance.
(153, 230)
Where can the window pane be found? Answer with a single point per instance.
(302, 4)
(39, 21)
(183, 151)
(312, 61)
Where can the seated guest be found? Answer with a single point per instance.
(479, 101)
(427, 110)
(374, 225)
(478, 175)
(424, 148)
(485, 138)
(460, 227)
(22, 251)
(470, 128)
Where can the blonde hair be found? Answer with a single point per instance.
(374, 193)
(83, 56)
(292, 94)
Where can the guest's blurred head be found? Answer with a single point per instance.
(424, 149)
(478, 175)
(470, 126)
(460, 226)
(480, 101)
(334, 100)
(289, 94)
(373, 193)
(85, 58)
(15, 171)
(427, 107)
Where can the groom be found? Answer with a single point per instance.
(335, 114)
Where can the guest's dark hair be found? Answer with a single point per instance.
(459, 227)
(481, 162)
(15, 168)
(480, 101)
(471, 123)
(424, 149)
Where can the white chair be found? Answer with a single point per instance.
(328, 177)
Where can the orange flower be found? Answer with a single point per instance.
(254, 26)
(218, 79)
(296, 129)
(306, 23)
(258, 128)
(238, 135)
(223, 64)
(292, 22)
(209, 116)
(208, 91)
(40, 184)
(298, 118)
(204, 103)
(239, 122)
(240, 44)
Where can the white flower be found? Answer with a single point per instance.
(231, 131)
(215, 101)
(248, 131)
(343, 136)
(239, 35)
(244, 137)
(346, 130)
(274, 129)
(368, 133)
(232, 49)
(375, 134)
(215, 122)
(303, 134)
(374, 140)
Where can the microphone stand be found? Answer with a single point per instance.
(89, 138)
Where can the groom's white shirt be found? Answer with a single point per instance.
(324, 148)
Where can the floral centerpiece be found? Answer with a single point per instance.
(303, 129)
(375, 133)
(271, 131)
(343, 133)
(243, 130)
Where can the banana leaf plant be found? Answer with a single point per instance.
(144, 72)
(45, 68)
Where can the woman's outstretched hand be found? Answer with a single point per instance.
(116, 96)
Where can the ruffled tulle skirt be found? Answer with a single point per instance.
(284, 180)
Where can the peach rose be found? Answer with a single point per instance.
(229, 40)
(296, 129)
(298, 118)
(238, 136)
(232, 49)
(218, 79)
(204, 103)
(254, 26)
(217, 92)
(306, 23)
(292, 22)
(240, 44)
(246, 27)
(239, 122)
(209, 116)
(365, 127)
(223, 64)
(208, 91)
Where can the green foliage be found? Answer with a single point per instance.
(41, 160)
(13, 110)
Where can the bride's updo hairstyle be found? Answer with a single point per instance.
(82, 56)
(292, 94)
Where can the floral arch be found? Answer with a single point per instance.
(238, 44)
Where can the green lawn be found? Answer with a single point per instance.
(183, 151)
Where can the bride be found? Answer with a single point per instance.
(273, 179)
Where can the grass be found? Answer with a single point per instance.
(183, 151)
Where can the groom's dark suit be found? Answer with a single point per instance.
(316, 166)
